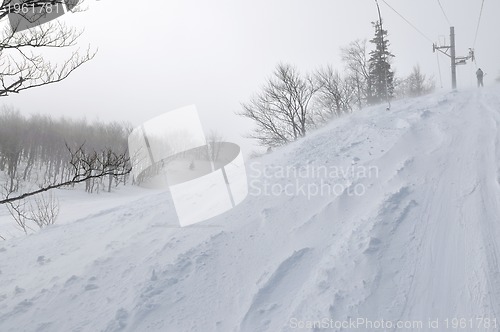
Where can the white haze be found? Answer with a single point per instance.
(167, 54)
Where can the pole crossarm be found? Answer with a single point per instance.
(441, 48)
(450, 51)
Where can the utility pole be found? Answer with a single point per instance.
(453, 56)
(453, 59)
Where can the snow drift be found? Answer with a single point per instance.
(412, 238)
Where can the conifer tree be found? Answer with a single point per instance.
(381, 77)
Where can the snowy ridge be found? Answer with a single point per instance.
(420, 243)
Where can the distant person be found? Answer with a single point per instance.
(480, 75)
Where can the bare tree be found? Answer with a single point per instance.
(45, 210)
(282, 111)
(18, 212)
(214, 140)
(33, 148)
(42, 211)
(355, 56)
(400, 87)
(418, 84)
(11, 133)
(85, 166)
(23, 64)
(335, 95)
(414, 85)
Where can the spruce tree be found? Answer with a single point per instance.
(381, 78)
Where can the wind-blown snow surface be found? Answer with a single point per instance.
(421, 242)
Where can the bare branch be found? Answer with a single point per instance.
(45, 211)
(282, 110)
(22, 66)
(85, 166)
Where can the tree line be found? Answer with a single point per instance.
(39, 151)
(291, 103)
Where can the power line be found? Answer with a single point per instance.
(407, 21)
(421, 33)
(444, 13)
(475, 60)
(385, 68)
(478, 24)
(439, 68)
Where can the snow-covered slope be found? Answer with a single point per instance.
(417, 240)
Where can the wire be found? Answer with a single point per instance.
(385, 75)
(478, 24)
(444, 13)
(439, 68)
(411, 24)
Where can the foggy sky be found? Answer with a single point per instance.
(218, 53)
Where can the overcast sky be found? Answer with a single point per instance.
(216, 54)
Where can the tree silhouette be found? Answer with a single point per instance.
(381, 77)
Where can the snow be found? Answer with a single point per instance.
(417, 241)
